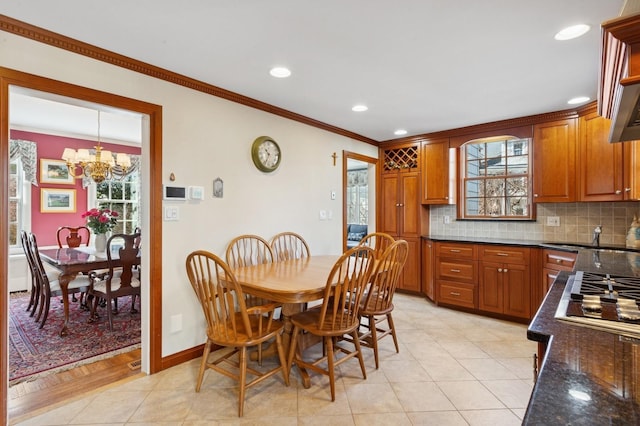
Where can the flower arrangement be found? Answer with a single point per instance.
(101, 221)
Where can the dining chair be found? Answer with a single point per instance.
(378, 241)
(377, 305)
(50, 287)
(73, 236)
(289, 245)
(231, 323)
(34, 294)
(337, 316)
(119, 281)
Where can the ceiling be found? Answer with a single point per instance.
(419, 65)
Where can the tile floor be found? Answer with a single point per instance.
(453, 369)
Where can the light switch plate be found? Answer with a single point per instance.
(171, 213)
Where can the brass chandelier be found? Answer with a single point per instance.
(100, 166)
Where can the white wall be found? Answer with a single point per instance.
(205, 137)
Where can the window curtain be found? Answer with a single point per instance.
(135, 165)
(27, 152)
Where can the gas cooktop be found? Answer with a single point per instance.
(602, 301)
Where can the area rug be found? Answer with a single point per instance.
(35, 352)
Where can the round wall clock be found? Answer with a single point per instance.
(266, 154)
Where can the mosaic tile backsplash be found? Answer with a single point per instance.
(577, 221)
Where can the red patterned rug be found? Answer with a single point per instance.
(35, 352)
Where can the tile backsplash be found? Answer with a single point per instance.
(577, 221)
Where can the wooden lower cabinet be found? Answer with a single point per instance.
(428, 281)
(505, 289)
(411, 277)
(553, 261)
(454, 293)
(456, 274)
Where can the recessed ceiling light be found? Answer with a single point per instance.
(359, 108)
(280, 72)
(573, 31)
(578, 100)
(400, 132)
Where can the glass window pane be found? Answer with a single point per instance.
(13, 211)
(13, 234)
(13, 186)
(494, 187)
(475, 151)
(517, 206)
(473, 169)
(494, 206)
(517, 147)
(473, 206)
(474, 188)
(517, 186)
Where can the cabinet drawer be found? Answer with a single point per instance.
(559, 260)
(505, 254)
(456, 250)
(457, 270)
(456, 294)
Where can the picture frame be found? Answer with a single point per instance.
(55, 171)
(54, 200)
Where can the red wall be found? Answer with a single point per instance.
(44, 225)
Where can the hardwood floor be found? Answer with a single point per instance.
(25, 399)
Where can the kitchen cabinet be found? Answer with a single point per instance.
(438, 172)
(554, 161)
(456, 273)
(505, 280)
(401, 208)
(553, 262)
(428, 282)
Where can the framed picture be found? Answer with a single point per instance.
(54, 171)
(54, 200)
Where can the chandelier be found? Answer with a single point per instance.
(99, 166)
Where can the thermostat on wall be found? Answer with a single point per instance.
(174, 192)
(196, 193)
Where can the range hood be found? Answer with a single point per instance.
(619, 86)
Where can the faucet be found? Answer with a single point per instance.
(596, 236)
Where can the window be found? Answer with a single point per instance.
(122, 197)
(495, 179)
(15, 202)
(358, 197)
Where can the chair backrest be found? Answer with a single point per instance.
(26, 246)
(385, 276)
(247, 250)
(73, 236)
(378, 241)
(346, 284)
(220, 296)
(289, 245)
(128, 252)
(38, 267)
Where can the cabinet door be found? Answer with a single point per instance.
(517, 290)
(601, 163)
(491, 296)
(436, 173)
(410, 279)
(554, 162)
(409, 200)
(390, 204)
(428, 283)
(548, 277)
(632, 173)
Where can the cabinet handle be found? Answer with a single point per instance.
(455, 270)
(499, 269)
(558, 260)
(454, 250)
(454, 293)
(627, 190)
(535, 195)
(503, 254)
(505, 270)
(401, 205)
(618, 192)
(446, 198)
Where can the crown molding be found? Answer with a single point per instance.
(50, 38)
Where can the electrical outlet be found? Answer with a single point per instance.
(323, 215)
(447, 220)
(553, 220)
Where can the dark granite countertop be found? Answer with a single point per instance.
(589, 377)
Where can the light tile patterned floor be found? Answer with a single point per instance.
(453, 369)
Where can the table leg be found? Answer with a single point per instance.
(64, 280)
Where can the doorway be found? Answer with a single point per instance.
(359, 188)
(151, 201)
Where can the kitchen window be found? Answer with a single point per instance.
(495, 179)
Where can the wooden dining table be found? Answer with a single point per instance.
(71, 262)
(293, 283)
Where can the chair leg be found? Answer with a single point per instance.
(283, 361)
(203, 364)
(374, 338)
(45, 314)
(331, 367)
(36, 300)
(110, 315)
(392, 327)
(356, 341)
(292, 347)
(32, 296)
(242, 378)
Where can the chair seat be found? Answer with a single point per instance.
(220, 337)
(370, 309)
(308, 320)
(101, 286)
(78, 282)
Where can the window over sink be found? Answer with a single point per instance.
(495, 179)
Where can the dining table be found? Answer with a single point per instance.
(71, 262)
(294, 283)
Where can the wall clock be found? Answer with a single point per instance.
(266, 154)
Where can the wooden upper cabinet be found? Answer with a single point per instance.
(554, 161)
(438, 172)
(601, 163)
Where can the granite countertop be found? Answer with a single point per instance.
(589, 377)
